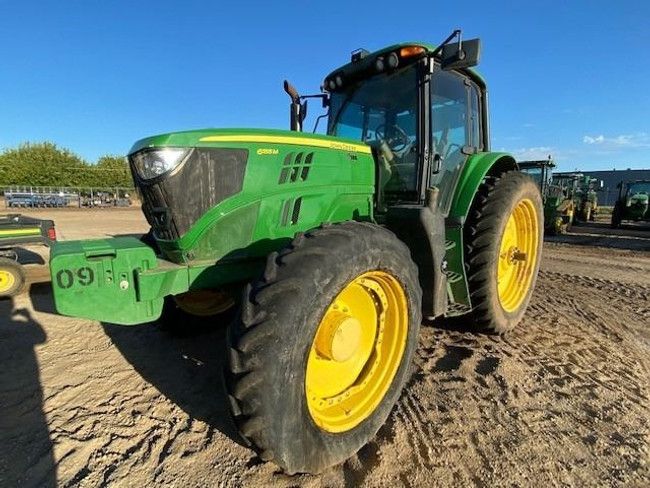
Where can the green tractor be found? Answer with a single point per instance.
(586, 197)
(557, 195)
(332, 247)
(632, 202)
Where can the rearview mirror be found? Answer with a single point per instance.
(463, 55)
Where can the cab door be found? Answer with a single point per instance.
(455, 130)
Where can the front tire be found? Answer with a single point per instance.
(324, 345)
(503, 235)
(198, 311)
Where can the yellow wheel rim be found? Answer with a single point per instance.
(204, 303)
(518, 255)
(356, 351)
(7, 281)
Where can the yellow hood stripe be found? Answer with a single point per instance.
(303, 141)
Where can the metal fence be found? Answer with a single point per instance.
(58, 197)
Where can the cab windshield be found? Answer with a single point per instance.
(380, 109)
(542, 175)
(640, 187)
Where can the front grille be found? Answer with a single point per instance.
(173, 203)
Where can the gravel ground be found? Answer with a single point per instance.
(562, 401)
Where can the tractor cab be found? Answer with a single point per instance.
(541, 171)
(633, 202)
(422, 110)
(639, 187)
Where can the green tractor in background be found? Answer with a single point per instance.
(632, 202)
(557, 195)
(586, 197)
(332, 247)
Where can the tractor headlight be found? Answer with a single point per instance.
(151, 163)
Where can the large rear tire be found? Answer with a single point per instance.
(12, 277)
(503, 235)
(324, 345)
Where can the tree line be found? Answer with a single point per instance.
(46, 164)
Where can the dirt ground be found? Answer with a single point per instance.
(562, 401)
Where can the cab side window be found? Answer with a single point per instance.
(449, 113)
(450, 130)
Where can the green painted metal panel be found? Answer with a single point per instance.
(457, 287)
(473, 173)
(475, 170)
(293, 182)
(97, 279)
(317, 184)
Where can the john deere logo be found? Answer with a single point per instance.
(265, 151)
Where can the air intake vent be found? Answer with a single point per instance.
(290, 212)
(295, 168)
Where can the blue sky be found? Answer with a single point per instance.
(567, 78)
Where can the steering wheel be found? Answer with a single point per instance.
(397, 142)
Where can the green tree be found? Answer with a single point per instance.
(46, 164)
(42, 164)
(113, 171)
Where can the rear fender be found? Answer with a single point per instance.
(477, 167)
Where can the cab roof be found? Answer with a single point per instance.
(369, 60)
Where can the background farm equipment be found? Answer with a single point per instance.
(17, 230)
(632, 203)
(557, 195)
(586, 197)
(35, 200)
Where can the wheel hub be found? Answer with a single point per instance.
(339, 337)
(518, 255)
(7, 280)
(356, 351)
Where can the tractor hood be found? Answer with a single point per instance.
(190, 180)
(226, 137)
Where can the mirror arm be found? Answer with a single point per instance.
(323, 96)
(438, 49)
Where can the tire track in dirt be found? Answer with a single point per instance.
(563, 400)
(571, 378)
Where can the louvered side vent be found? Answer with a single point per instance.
(290, 212)
(295, 167)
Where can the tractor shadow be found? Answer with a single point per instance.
(187, 368)
(26, 449)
